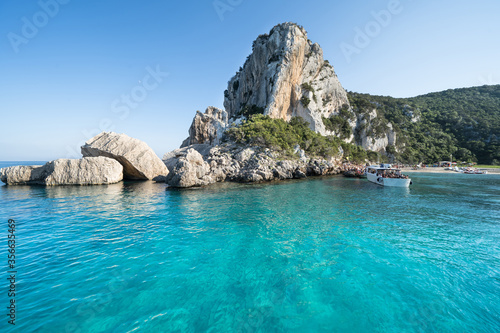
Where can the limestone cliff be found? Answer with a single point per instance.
(286, 76)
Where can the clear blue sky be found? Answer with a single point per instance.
(63, 81)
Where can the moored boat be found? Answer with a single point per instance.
(385, 175)
(474, 171)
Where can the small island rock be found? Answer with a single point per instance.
(85, 171)
(139, 161)
(22, 175)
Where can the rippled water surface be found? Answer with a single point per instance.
(320, 255)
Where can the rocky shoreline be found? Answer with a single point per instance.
(203, 164)
(110, 157)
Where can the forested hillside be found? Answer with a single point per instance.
(463, 122)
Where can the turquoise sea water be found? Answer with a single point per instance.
(320, 255)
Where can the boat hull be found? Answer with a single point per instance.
(392, 182)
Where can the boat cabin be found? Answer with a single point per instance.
(385, 171)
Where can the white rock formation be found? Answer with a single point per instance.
(208, 127)
(170, 159)
(238, 163)
(244, 155)
(190, 170)
(369, 137)
(287, 76)
(22, 175)
(86, 171)
(139, 161)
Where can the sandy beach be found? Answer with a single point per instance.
(442, 170)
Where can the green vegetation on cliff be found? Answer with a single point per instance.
(263, 131)
(278, 134)
(464, 123)
(340, 123)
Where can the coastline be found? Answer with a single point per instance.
(442, 170)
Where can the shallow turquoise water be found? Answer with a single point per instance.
(321, 255)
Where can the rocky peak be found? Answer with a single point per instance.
(207, 128)
(286, 76)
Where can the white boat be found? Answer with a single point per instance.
(473, 171)
(385, 175)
